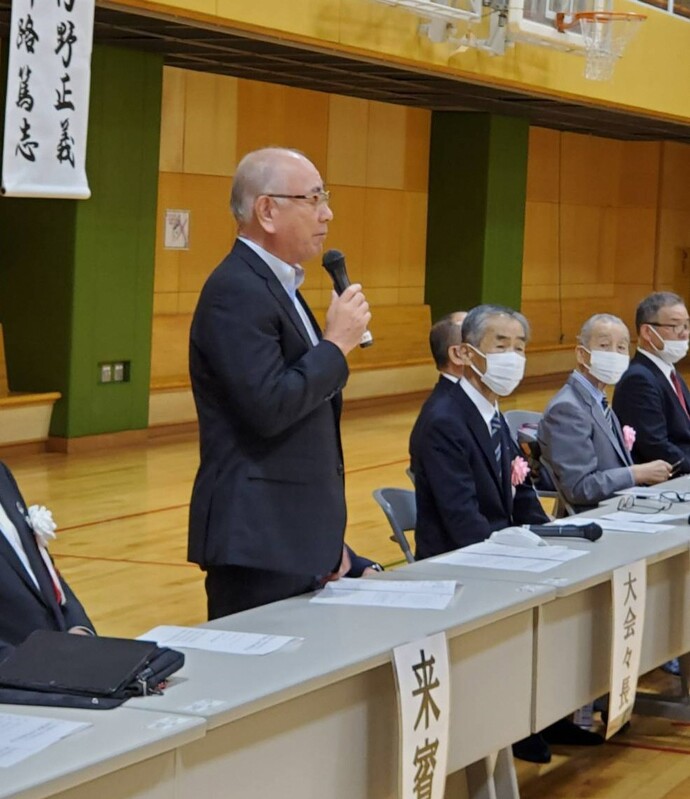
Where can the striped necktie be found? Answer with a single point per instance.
(496, 438)
(607, 411)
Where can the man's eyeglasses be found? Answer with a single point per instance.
(635, 504)
(675, 496)
(683, 327)
(315, 198)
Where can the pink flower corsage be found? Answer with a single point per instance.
(629, 436)
(519, 469)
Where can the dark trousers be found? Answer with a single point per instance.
(231, 589)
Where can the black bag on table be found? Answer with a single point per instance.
(60, 669)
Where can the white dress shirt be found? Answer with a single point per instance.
(485, 408)
(10, 532)
(290, 278)
(666, 368)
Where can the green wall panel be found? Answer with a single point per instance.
(88, 265)
(477, 186)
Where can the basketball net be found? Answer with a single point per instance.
(606, 35)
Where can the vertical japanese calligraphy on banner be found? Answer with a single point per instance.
(47, 108)
(423, 680)
(629, 586)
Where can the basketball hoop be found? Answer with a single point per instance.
(605, 34)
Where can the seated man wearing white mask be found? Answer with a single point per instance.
(579, 435)
(651, 396)
(469, 475)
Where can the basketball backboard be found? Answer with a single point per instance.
(534, 21)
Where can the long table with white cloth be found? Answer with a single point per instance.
(319, 716)
(572, 652)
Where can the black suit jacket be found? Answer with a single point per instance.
(23, 607)
(269, 492)
(461, 499)
(645, 400)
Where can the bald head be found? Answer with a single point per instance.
(264, 171)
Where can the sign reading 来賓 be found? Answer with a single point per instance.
(423, 679)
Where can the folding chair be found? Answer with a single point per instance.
(400, 507)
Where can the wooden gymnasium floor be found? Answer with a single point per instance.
(122, 517)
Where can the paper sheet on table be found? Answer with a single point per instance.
(613, 526)
(417, 594)
(643, 491)
(488, 555)
(22, 736)
(676, 517)
(226, 641)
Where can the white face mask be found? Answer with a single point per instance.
(504, 371)
(608, 367)
(672, 351)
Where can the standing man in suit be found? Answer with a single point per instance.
(33, 596)
(580, 436)
(651, 396)
(461, 451)
(267, 515)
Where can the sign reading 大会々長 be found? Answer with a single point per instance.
(47, 106)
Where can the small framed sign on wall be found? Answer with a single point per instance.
(176, 229)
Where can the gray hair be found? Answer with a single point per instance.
(444, 334)
(651, 305)
(259, 172)
(478, 319)
(585, 335)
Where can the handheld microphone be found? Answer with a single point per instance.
(334, 264)
(592, 531)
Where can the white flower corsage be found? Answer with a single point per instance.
(40, 519)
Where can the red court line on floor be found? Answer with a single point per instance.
(186, 504)
(120, 518)
(125, 560)
(670, 749)
(375, 466)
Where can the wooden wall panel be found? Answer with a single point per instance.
(346, 231)
(675, 179)
(386, 146)
(639, 174)
(412, 226)
(211, 124)
(635, 245)
(348, 123)
(382, 246)
(543, 165)
(418, 132)
(590, 168)
(172, 119)
(211, 229)
(611, 230)
(673, 237)
(268, 114)
(581, 231)
(542, 242)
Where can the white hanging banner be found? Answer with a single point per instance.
(47, 108)
(629, 585)
(423, 680)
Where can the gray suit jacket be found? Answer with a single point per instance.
(587, 457)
